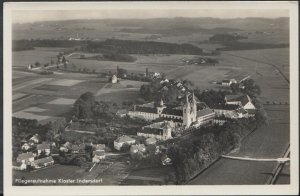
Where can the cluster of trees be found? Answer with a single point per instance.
(111, 57)
(248, 87)
(191, 155)
(31, 44)
(226, 38)
(140, 47)
(230, 46)
(211, 97)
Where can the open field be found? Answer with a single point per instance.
(62, 101)
(65, 82)
(151, 176)
(41, 55)
(229, 172)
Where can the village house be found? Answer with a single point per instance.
(228, 82)
(137, 148)
(122, 113)
(99, 147)
(66, 147)
(43, 162)
(78, 148)
(97, 156)
(35, 138)
(165, 160)
(122, 141)
(20, 166)
(151, 141)
(114, 79)
(25, 146)
(25, 157)
(44, 147)
(31, 143)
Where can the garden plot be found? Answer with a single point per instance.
(31, 83)
(62, 101)
(66, 82)
(29, 113)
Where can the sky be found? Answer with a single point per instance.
(22, 16)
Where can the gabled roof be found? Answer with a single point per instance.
(204, 112)
(99, 153)
(225, 107)
(78, 147)
(174, 112)
(24, 156)
(43, 146)
(151, 130)
(139, 147)
(43, 160)
(146, 109)
(251, 111)
(124, 138)
(99, 146)
(151, 140)
(244, 99)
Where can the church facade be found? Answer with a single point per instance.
(181, 115)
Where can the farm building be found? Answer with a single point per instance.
(35, 138)
(25, 146)
(122, 113)
(99, 147)
(43, 162)
(137, 148)
(165, 160)
(228, 82)
(122, 141)
(97, 156)
(78, 148)
(151, 140)
(25, 157)
(114, 79)
(20, 166)
(44, 147)
(66, 147)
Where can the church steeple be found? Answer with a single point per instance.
(161, 102)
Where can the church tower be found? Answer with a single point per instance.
(187, 112)
(194, 105)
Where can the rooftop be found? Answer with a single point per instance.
(99, 146)
(204, 112)
(99, 153)
(43, 146)
(139, 147)
(24, 156)
(124, 138)
(43, 160)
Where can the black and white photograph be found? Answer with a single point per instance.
(107, 95)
